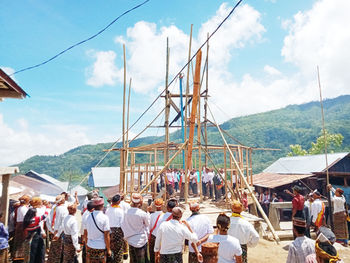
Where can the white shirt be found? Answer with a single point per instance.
(135, 227)
(338, 202)
(243, 231)
(200, 225)
(193, 177)
(316, 208)
(210, 177)
(70, 227)
(124, 205)
(21, 212)
(83, 221)
(153, 219)
(229, 247)
(115, 216)
(96, 238)
(175, 178)
(299, 249)
(204, 177)
(171, 237)
(170, 177)
(49, 219)
(61, 213)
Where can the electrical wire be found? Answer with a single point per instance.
(81, 42)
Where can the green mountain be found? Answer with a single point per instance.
(294, 124)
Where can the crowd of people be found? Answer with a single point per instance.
(113, 230)
(212, 184)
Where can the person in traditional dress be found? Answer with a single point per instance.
(205, 181)
(302, 246)
(241, 229)
(325, 251)
(193, 182)
(339, 215)
(229, 248)
(116, 216)
(34, 242)
(201, 226)
(71, 236)
(96, 232)
(89, 208)
(19, 234)
(4, 245)
(123, 204)
(171, 237)
(169, 182)
(155, 221)
(58, 214)
(210, 184)
(317, 211)
(135, 228)
(297, 202)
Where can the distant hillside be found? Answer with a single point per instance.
(294, 124)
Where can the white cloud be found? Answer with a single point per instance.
(22, 142)
(319, 36)
(271, 70)
(104, 71)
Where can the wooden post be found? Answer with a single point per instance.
(5, 198)
(188, 82)
(225, 168)
(247, 185)
(132, 177)
(127, 126)
(122, 153)
(167, 105)
(206, 103)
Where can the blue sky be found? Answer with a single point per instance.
(263, 58)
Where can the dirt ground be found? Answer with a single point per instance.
(268, 251)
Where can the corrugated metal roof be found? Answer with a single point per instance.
(104, 176)
(273, 180)
(38, 185)
(304, 164)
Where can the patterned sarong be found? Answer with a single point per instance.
(171, 258)
(55, 252)
(151, 243)
(96, 255)
(34, 248)
(117, 244)
(68, 250)
(340, 225)
(192, 257)
(18, 242)
(4, 255)
(138, 254)
(244, 253)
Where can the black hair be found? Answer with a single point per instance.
(300, 230)
(171, 203)
(224, 221)
(90, 205)
(28, 217)
(116, 198)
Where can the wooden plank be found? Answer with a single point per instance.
(5, 198)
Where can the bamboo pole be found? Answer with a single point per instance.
(247, 185)
(325, 149)
(127, 125)
(167, 104)
(225, 169)
(122, 153)
(206, 102)
(188, 80)
(165, 167)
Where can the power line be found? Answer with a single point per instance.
(83, 41)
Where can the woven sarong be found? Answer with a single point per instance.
(340, 225)
(117, 243)
(34, 248)
(171, 258)
(68, 249)
(18, 242)
(96, 255)
(4, 255)
(192, 257)
(55, 252)
(138, 254)
(151, 243)
(244, 253)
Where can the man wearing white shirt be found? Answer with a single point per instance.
(211, 175)
(169, 182)
(89, 208)
(170, 239)
(339, 215)
(201, 226)
(71, 236)
(204, 181)
(242, 230)
(317, 210)
(135, 228)
(123, 204)
(155, 221)
(59, 212)
(116, 216)
(19, 235)
(96, 232)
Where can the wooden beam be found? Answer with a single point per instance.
(172, 103)
(5, 198)
(5, 93)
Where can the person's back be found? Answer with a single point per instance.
(95, 236)
(243, 231)
(299, 249)
(229, 247)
